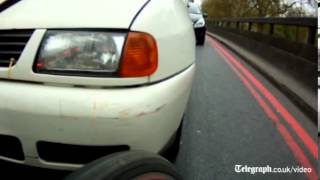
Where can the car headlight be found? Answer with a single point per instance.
(200, 23)
(80, 52)
(85, 53)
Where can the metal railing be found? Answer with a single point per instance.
(309, 25)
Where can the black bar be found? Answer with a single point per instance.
(237, 25)
(12, 43)
(312, 35)
(15, 35)
(271, 31)
(250, 26)
(10, 52)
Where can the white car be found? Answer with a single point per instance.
(80, 79)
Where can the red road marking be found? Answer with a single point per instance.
(294, 147)
(302, 134)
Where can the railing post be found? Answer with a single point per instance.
(312, 32)
(271, 31)
(297, 33)
(250, 26)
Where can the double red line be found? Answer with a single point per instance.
(253, 85)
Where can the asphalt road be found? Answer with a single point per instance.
(224, 126)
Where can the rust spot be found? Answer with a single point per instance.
(124, 114)
(141, 114)
(94, 112)
(151, 112)
(159, 108)
(94, 109)
(94, 105)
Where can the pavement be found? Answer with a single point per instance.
(226, 125)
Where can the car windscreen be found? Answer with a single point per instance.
(194, 9)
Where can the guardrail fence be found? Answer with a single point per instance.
(299, 29)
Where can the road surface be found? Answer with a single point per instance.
(230, 121)
(226, 126)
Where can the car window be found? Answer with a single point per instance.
(194, 9)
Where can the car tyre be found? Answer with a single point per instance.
(127, 165)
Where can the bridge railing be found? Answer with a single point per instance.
(299, 29)
(282, 49)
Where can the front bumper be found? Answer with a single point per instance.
(141, 117)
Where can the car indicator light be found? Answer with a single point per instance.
(140, 55)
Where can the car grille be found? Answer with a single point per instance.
(12, 43)
(75, 154)
(11, 147)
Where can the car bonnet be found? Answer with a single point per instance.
(32, 14)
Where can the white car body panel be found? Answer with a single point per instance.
(142, 112)
(174, 55)
(143, 117)
(41, 14)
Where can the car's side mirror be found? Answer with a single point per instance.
(205, 15)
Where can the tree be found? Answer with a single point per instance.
(296, 12)
(225, 8)
(255, 8)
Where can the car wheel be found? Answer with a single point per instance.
(136, 165)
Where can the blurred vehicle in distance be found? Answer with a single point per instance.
(199, 23)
